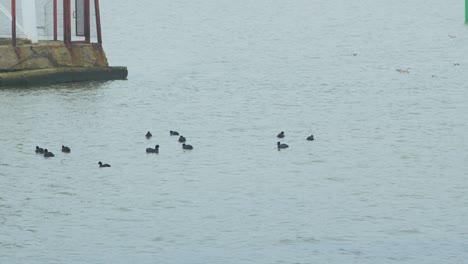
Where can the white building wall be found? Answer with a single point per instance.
(29, 19)
(43, 18)
(5, 19)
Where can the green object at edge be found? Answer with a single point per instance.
(466, 11)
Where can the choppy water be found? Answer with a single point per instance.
(384, 182)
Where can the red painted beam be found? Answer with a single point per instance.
(66, 22)
(13, 23)
(98, 21)
(64, 7)
(55, 20)
(87, 21)
(69, 22)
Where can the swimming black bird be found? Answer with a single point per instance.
(282, 146)
(48, 154)
(184, 146)
(103, 165)
(182, 139)
(310, 138)
(281, 135)
(39, 150)
(66, 149)
(174, 133)
(148, 135)
(151, 150)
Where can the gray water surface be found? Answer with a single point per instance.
(384, 181)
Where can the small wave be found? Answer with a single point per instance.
(409, 231)
(66, 193)
(298, 239)
(123, 209)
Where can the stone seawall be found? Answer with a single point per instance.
(54, 62)
(51, 55)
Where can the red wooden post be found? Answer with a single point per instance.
(98, 21)
(55, 20)
(13, 23)
(69, 22)
(66, 22)
(64, 7)
(87, 20)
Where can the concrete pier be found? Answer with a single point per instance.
(54, 62)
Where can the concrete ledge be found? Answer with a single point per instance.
(61, 75)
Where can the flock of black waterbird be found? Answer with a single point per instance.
(182, 139)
